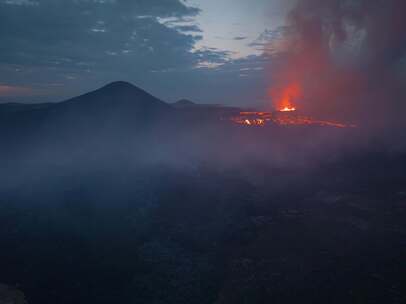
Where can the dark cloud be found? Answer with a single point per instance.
(63, 48)
(87, 34)
(90, 41)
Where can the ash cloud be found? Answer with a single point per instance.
(347, 56)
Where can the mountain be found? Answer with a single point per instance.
(112, 99)
(117, 95)
(120, 101)
(117, 115)
(117, 103)
(118, 118)
(184, 103)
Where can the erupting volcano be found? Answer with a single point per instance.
(286, 112)
(284, 98)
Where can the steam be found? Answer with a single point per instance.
(348, 58)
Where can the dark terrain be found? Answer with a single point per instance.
(118, 197)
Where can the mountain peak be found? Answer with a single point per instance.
(184, 103)
(117, 95)
(119, 86)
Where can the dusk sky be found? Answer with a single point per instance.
(209, 51)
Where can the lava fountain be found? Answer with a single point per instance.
(284, 98)
(286, 113)
(288, 109)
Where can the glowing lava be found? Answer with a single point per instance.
(288, 109)
(282, 118)
(284, 98)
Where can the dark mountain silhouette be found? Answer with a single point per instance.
(118, 102)
(118, 115)
(112, 99)
(117, 95)
(184, 103)
(114, 105)
(118, 105)
(14, 107)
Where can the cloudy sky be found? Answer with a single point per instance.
(204, 50)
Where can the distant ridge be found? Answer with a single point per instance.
(15, 107)
(120, 85)
(184, 103)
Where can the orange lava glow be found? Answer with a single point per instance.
(288, 109)
(282, 118)
(284, 98)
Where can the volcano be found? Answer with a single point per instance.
(116, 105)
(116, 102)
(118, 94)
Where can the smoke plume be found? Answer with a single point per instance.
(347, 56)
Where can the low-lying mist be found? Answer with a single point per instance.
(110, 198)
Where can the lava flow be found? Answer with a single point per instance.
(285, 99)
(282, 117)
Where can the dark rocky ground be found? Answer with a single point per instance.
(333, 235)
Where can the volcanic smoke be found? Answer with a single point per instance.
(343, 60)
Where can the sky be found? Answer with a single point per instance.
(232, 25)
(209, 51)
